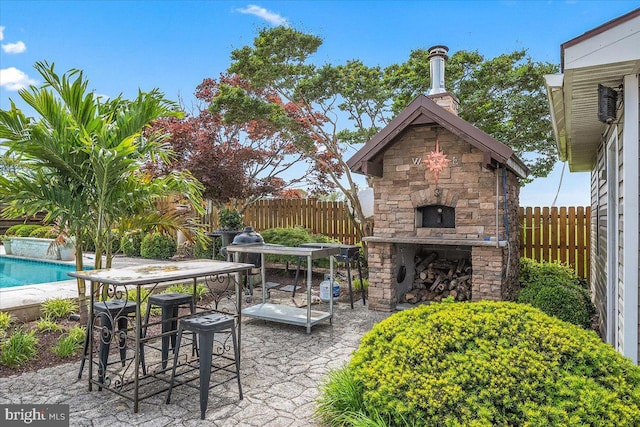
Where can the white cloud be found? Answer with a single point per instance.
(1, 33)
(13, 79)
(261, 12)
(18, 47)
(101, 97)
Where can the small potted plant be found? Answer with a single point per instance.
(231, 224)
(68, 249)
(65, 246)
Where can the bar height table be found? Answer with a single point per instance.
(284, 313)
(118, 282)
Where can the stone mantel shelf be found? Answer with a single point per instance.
(435, 241)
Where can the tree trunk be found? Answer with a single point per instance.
(82, 287)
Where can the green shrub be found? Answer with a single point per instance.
(19, 348)
(58, 308)
(342, 396)
(65, 347)
(70, 343)
(47, 324)
(486, 364)
(5, 320)
(89, 244)
(44, 232)
(183, 288)
(11, 231)
(357, 285)
(131, 242)
(555, 289)
(230, 219)
(132, 295)
(568, 303)
(158, 246)
(293, 237)
(542, 272)
(205, 250)
(21, 230)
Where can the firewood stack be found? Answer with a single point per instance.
(436, 279)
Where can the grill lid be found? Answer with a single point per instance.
(247, 236)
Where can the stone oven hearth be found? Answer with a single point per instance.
(446, 199)
(437, 274)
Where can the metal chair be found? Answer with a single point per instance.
(206, 326)
(169, 303)
(109, 311)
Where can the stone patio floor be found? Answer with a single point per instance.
(282, 368)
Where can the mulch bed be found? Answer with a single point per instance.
(45, 358)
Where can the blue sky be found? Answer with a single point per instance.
(124, 46)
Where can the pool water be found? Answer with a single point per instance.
(19, 272)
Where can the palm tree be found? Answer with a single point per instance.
(82, 162)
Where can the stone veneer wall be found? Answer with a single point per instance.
(383, 290)
(465, 185)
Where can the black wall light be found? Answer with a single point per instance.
(607, 98)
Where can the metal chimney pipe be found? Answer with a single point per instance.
(437, 58)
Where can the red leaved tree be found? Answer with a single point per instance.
(237, 163)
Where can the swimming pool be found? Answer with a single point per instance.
(20, 272)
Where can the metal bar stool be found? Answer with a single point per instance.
(169, 303)
(206, 325)
(107, 312)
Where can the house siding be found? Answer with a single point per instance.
(638, 234)
(620, 287)
(599, 235)
(599, 241)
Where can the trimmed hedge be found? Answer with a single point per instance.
(45, 232)
(482, 364)
(555, 289)
(158, 246)
(21, 230)
(542, 272)
(293, 237)
(568, 303)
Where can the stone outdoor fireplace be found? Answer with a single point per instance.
(446, 199)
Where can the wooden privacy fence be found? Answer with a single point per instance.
(329, 218)
(550, 234)
(560, 234)
(546, 234)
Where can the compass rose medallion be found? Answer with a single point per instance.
(436, 161)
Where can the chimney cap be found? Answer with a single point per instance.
(439, 50)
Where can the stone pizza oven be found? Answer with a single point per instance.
(446, 200)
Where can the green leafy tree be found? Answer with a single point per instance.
(307, 103)
(80, 163)
(326, 110)
(504, 96)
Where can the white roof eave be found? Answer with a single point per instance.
(555, 96)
